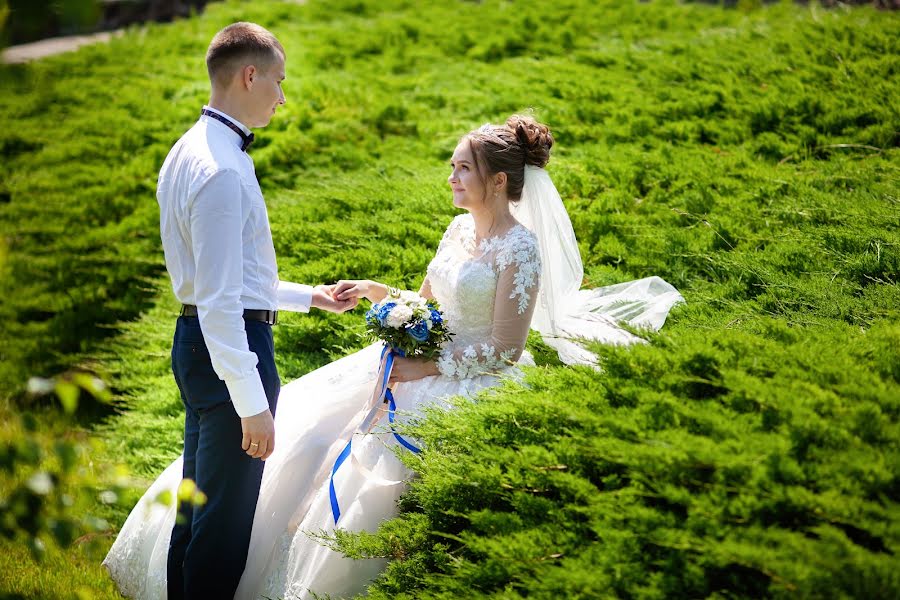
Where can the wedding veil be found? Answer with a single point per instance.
(566, 314)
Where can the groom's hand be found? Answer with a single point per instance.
(324, 298)
(259, 435)
(360, 288)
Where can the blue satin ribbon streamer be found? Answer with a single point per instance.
(384, 393)
(335, 509)
(392, 408)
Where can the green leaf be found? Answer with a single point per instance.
(67, 454)
(38, 548)
(164, 498)
(93, 385)
(67, 392)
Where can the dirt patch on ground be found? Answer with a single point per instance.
(36, 50)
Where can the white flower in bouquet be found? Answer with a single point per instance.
(399, 315)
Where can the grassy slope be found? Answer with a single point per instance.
(724, 151)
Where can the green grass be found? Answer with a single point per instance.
(749, 157)
(70, 574)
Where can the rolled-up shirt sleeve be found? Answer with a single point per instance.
(294, 297)
(217, 221)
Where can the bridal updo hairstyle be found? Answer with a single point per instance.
(508, 148)
(238, 45)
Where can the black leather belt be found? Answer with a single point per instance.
(266, 316)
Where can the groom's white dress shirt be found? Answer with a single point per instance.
(219, 251)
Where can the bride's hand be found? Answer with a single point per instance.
(323, 297)
(360, 288)
(410, 369)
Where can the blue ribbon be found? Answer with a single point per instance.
(392, 408)
(335, 509)
(384, 393)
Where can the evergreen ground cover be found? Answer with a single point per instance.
(749, 157)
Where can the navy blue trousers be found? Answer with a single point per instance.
(208, 550)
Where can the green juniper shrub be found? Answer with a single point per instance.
(749, 157)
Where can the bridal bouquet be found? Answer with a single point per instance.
(409, 324)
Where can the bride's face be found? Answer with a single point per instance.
(465, 180)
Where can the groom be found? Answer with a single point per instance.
(220, 257)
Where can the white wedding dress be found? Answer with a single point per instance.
(487, 295)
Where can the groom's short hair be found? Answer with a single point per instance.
(238, 45)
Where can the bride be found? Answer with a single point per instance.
(508, 264)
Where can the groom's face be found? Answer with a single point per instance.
(266, 93)
(465, 180)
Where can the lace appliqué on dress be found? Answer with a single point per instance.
(517, 248)
(473, 365)
(511, 269)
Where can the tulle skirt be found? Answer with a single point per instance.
(316, 416)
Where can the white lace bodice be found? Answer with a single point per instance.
(486, 294)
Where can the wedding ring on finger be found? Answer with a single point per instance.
(254, 445)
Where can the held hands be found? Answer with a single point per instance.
(324, 298)
(372, 291)
(259, 435)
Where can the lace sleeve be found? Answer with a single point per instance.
(518, 265)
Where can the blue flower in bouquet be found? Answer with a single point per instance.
(372, 315)
(435, 316)
(418, 331)
(383, 311)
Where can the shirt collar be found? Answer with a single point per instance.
(243, 127)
